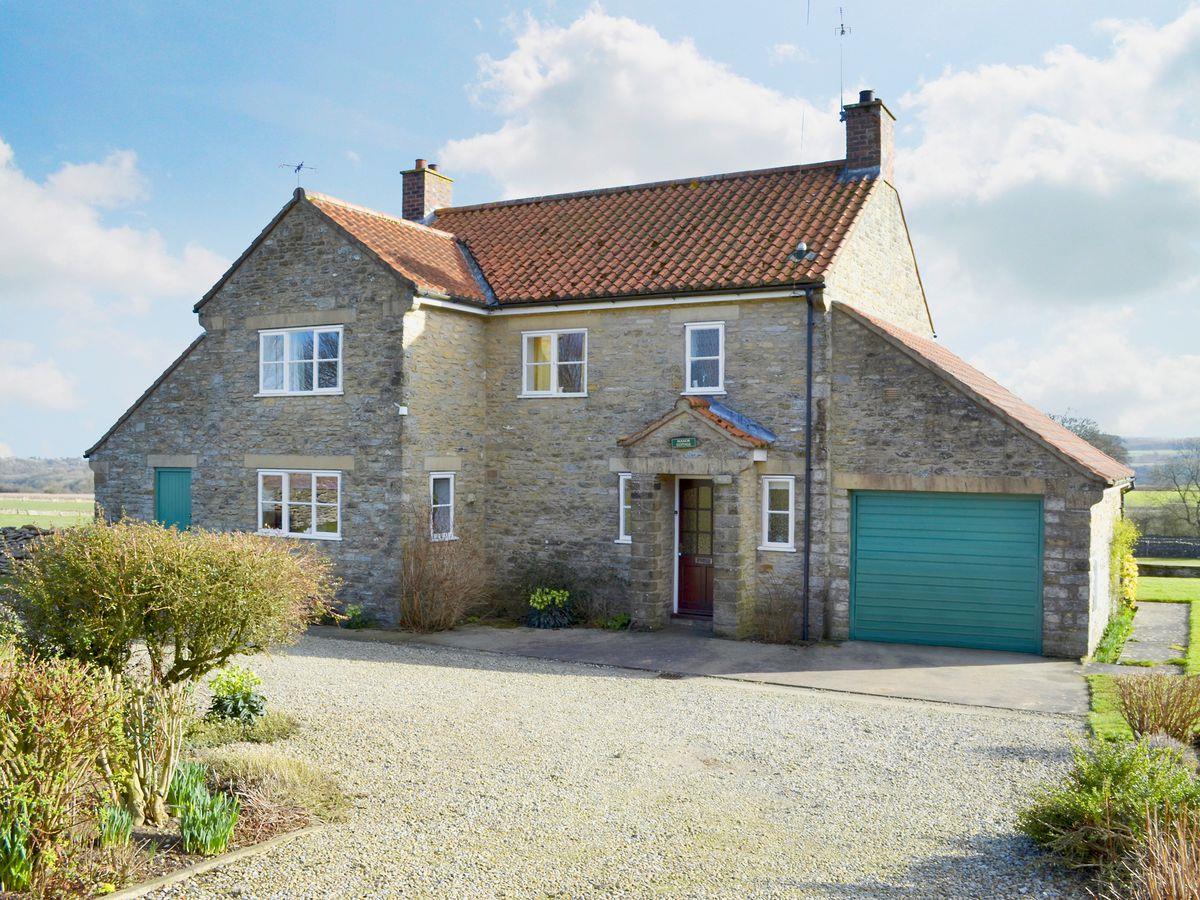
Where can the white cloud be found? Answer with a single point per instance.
(33, 380)
(55, 249)
(354, 158)
(782, 53)
(607, 100)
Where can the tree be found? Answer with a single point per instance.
(184, 601)
(1181, 475)
(1090, 431)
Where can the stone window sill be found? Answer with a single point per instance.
(777, 548)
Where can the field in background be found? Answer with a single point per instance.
(45, 510)
(1139, 499)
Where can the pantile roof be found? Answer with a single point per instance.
(1001, 400)
(721, 232)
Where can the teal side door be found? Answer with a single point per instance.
(173, 497)
(960, 570)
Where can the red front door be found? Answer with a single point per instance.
(695, 547)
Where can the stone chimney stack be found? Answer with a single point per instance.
(425, 189)
(869, 137)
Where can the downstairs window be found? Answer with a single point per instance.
(300, 504)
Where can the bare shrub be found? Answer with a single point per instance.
(274, 781)
(1167, 864)
(1160, 704)
(441, 582)
(775, 615)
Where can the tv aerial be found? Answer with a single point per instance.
(297, 168)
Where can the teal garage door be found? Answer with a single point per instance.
(173, 497)
(961, 570)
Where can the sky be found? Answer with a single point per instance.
(1048, 159)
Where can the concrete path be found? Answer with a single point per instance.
(942, 674)
(1160, 630)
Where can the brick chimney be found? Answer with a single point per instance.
(869, 127)
(425, 189)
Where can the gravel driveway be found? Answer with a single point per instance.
(479, 775)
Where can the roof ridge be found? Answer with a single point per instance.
(599, 192)
(366, 210)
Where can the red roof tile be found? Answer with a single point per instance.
(722, 232)
(703, 406)
(429, 257)
(1032, 420)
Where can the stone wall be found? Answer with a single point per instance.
(206, 413)
(1102, 603)
(15, 543)
(875, 270)
(891, 416)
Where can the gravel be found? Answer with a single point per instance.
(480, 775)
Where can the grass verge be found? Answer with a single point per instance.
(1156, 589)
(1104, 716)
(1115, 635)
(270, 727)
(1192, 665)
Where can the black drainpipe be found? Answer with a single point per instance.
(808, 466)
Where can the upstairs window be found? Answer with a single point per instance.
(300, 504)
(704, 350)
(300, 361)
(554, 363)
(441, 506)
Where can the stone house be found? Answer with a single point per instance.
(717, 398)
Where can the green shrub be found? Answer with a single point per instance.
(1098, 813)
(618, 622)
(115, 825)
(356, 617)
(549, 608)
(16, 846)
(187, 787)
(1122, 565)
(61, 750)
(191, 600)
(271, 726)
(274, 777)
(235, 695)
(206, 824)
(12, 628)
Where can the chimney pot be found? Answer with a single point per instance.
(433, 167)
(866, 96)
(420, 164)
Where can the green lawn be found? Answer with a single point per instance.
(1161, 561)
(44, 511)
(1138, 499)
(1168, 590)
(1105, 717)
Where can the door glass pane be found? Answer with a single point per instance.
(570, 347)
(687, 542)
(300, 488)
(327, 375)
(299, 519)
(704, 496)
(570, 378)
(689, 520)
(272, 348)
(271, 517)
(704, 520)
(538, 348)
(777, 497)
(327, 489)
(327, 519)
(300, 376)
(441, 520)
(300, 345)
(705, 373)
(272, 488)
(272, 376)
(626, 492)
(777, 528)
(328, 342)
(441, 491)
(705, 342)
(704, 544)
(537, 377)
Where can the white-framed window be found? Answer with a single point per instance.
(300, 504)
(778, 512)
(441, 506)
(625, 505)
(704, 355)
(554, 363)
(300, 360)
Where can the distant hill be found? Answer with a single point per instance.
(45, 476)
(1145, 453)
